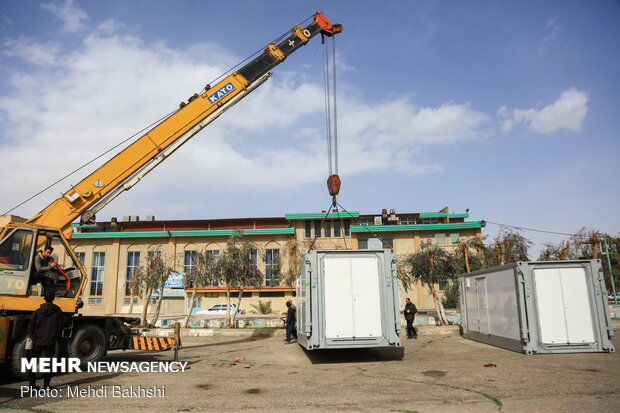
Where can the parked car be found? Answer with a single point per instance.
(611, 297)
(220, 309)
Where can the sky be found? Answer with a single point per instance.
(508, 109)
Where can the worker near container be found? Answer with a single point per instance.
(410, 311)
(45, 330)
(45, 270)
(290, 324)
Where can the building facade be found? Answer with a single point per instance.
(111, 252)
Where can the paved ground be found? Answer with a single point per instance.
(431, 374)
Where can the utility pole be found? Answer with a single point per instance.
(611, 274)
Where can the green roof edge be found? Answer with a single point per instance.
(417, 227)
(189, 233)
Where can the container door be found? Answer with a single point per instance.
(483, 308)
(366, 297)
(352, 300)
(564, 311)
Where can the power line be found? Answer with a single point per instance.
(89, 162)
(529, 229)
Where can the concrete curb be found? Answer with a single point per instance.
(423, 330)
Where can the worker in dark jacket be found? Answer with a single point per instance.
(45, 269)
(410, 310)
(45, 330)
(291, 320)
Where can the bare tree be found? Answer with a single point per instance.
(559, 252)
(202, 275)
(237, 271)
(431, 266)
(293, 255)
(164, 267)
(155, 275)
(510, 246)
(135, 284)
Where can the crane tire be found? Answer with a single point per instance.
(17, 354)
(88, 344)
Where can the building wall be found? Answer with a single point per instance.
(114, 300)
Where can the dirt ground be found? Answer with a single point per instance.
(431, 374)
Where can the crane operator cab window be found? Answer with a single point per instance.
(31, 261)
(16, 251)
(54, 267)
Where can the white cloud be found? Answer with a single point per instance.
(553, 33)
(84, 101)
(71, 15)
(41, 54)
(568, 112)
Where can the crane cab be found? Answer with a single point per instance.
(21, 286)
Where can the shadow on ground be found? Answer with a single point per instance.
(356, 355)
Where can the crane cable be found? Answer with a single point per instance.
(331, 119)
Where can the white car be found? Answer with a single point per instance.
(220, 309)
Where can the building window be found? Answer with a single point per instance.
(455, 238)
(317, 229)
(94, 300)
(366, 222)
(387, 243)
(152, 301)
(337, 229)
(96, 275)
(362, 244)
(327, 229)
(308, 229)
(235, 294)
(189, 261)
(440, 239)
(407, 220)
(133, 262)
(253, 265)
(127, 301)
(430, 221)
(215, 254)
(263, 294)
(272, 270)
(81, 257)
(347, 228)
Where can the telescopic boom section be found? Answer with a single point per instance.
(118, 170)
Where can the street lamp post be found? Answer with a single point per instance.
(611, 274)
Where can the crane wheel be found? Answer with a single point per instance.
(17, 354)
(88, 344)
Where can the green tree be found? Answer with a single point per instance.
(263, 307)
(473, 255)
(431, 266)
(236, 270)
(451, 295)
(201, 275)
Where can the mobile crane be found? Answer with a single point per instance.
(90, 337)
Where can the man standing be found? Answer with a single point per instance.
(410, 310)
(44, 330)
(45, 267)
(291, 319)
